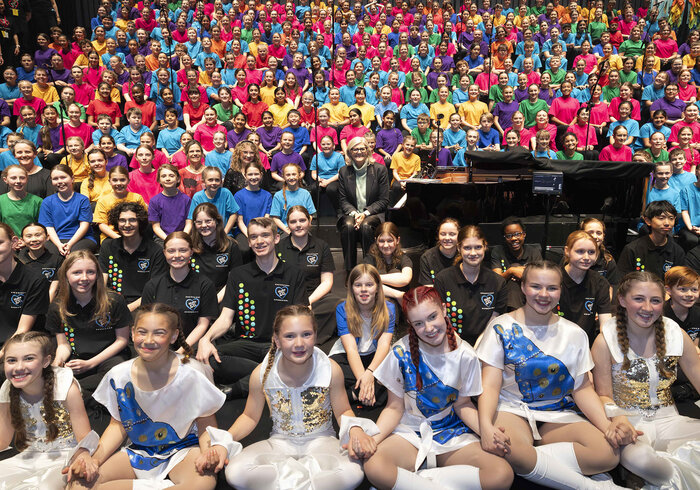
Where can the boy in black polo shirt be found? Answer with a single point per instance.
(509, 260)
(130, 261)
(655, 252)
(255, 292)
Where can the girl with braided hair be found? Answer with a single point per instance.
(303, 389)
(41, 408)
(163, 402)
(430, 375)
(535, 367)
(636, 357)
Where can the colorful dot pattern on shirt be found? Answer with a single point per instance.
(503, 266)
(246, 312)
(70, 335)
(454, 313)
(638, 265)
(559, 312)
(194, 265)
(114, 275)
(432, 275)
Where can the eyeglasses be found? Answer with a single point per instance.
(207, 222)
(510, 236)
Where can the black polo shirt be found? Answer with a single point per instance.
(216, 265)
(642, 254)
(470, 305)
(432, 262)
(255, 297)
(580, 303)
(88, 337)
(691, 324)
(127, 273)
(194, 297)
(47, 264)
(25, 292)
(608, 270)
(502, 258)
(314, 259)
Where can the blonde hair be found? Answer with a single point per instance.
(380, 313)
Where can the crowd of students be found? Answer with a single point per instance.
(161, 171)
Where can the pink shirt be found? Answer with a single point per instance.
(205, 135)
(665, 49)
(611, 154)
(676, 128)
(614, 109)
(580, 132)
(159, 159)
(37, 103)
(143, 184)
(564, 109)
(349, 132)
(84, 132)
(599, 113)
(591, 62)
(321, 131)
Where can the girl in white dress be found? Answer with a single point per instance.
(535, 368)
(303, 389)
(41, 407)
(430, 375)
(636, 356)
(163, 403)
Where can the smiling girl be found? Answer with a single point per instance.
(442, 255)
(393, 264)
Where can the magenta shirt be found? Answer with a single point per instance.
(611, 154)
(144, 184)
(664, 49)
(564, 109)
(205, 135)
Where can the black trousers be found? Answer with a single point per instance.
(349, 236)
(380, 395)
(238, 359)
(90, 379)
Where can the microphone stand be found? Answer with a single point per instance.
(318, 177)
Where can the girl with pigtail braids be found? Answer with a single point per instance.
(163, 402)
(304, 390)
(41, 407)
(636, 357)
(431, 375)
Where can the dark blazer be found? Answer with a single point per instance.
(377, 190)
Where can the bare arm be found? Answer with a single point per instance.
(198, 331)
(323, 289)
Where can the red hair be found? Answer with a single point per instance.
(411, 299)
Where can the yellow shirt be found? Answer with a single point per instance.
(445, 109)
(279, 112)
(471, 112)
(100, 47)
(367, 111)
(80, 168)
(101, 187)
(405, 167)
(339, 111)
(253, 48)
(640, 61)
(82, 60)
(688, 61)
(49, 93)
(107, 202)
(267, 95)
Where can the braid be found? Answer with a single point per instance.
(91, 178)
(270, 361)
(49, 408)
(415, 356)
(17, 420)
(660, 339)
(181, 343)
(451, 335)
(622, 338)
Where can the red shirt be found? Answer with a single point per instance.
(307, 117)
(196, 114)
(110, 108)
(148, 111)
(254, 113)
(190, 182)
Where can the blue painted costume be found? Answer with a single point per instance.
(542, 366)
(160, 424)
(429, 421)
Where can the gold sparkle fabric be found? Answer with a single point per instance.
(643, 387)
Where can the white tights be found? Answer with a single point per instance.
(278, 463)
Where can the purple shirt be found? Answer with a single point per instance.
(389, 140)
(233, 138)
(279, 160)
(674, 110)
(268, 139)
(43, 58)
(520, 95)
(169, 211)
(302, 75)
(55, 135)
(444, 158)
(116, 160)
(505, 112)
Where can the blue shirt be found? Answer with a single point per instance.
(341, 319)
(690, 201)
(283, 201)
(648, 129)
(671, 195)
(223, 200)
(410, 114)
(253, 204)
(169, 139)
(301, 137)
(452, 138)
(632, 127)
(327, 167)
(682, 180)
(7, 92)
(115, 134)
(220, 160)
(347, 94)
(65, 217)
(488, 139)
(7, 159)
(133, 139)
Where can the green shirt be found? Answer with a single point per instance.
(455, 80)
(562, 156)
(421, 139)
(595, 29)
(558, 77)
(609, 93)
(223, 115)
(434, 97)
(496, 94)
(630, 77)
(632, 48)
(530, 110)
(19, 214)
(663, 156)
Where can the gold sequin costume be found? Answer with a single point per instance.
(302, 452)
(39, 465)
(667, 452)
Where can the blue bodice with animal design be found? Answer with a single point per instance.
(540, 377)
(433, 398)
(154, 441)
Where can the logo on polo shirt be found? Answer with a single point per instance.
(667, 265)
(48, 272)
(588, 305)
(222, 259)
(143, 265)
(281, 292)
(17, 299)
(104, 324)
(192, 303)
(487, 300)
(312, 259)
